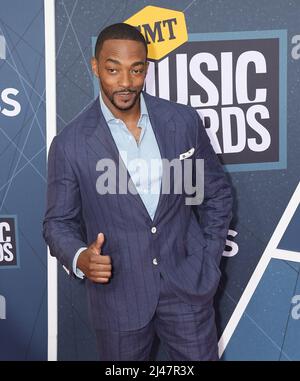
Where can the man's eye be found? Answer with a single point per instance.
(112, 71)
(137, 71)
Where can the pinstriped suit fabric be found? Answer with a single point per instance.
(188, 242)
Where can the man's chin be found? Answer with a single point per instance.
(124, 106)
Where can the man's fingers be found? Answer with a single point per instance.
(94, 250)
(100, 274)
(99, 267)
(100, 280)
(101, 259)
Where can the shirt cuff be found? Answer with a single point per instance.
(76, 271)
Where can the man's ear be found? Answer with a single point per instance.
(94, 65)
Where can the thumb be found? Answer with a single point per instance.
(99, 242)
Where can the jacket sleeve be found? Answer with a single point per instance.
(215, 211)
(62, 227)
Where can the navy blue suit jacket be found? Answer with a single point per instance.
(188, 242)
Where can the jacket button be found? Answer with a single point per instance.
(153, 230)
(155, 262)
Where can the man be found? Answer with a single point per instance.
(149, 259)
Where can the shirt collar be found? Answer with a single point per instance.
(108, 115)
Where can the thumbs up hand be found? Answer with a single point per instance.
(97, 245)
(93, 264)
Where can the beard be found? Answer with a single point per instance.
(124, 99)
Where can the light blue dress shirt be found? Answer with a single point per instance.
(142, 159)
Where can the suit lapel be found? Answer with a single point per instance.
(100, 138)
(164, 130)
(102, 143)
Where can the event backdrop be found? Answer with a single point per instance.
(23, 254)
(239, 67)
(238, 64)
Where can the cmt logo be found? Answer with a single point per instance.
(2, 307)
(8, 242)
(163, 29)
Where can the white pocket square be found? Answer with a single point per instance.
(187, 154)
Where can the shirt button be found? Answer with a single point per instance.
(155, 262)
(153, 230)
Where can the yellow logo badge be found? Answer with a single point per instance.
(164, 29)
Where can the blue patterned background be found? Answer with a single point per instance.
(23, 181)
(260, 197)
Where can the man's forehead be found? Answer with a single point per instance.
(127, 47)
(121, 41)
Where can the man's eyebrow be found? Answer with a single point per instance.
(138, 63)
(113, 61)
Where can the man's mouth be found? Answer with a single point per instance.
(125, 95)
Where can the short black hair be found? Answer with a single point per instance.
(119, 31)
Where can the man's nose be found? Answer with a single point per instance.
(125, 80)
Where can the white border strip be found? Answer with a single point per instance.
(50, 66)
(270, 252)
(286, 255)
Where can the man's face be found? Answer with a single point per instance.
(121, 67)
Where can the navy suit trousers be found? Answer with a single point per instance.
(187, 332)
